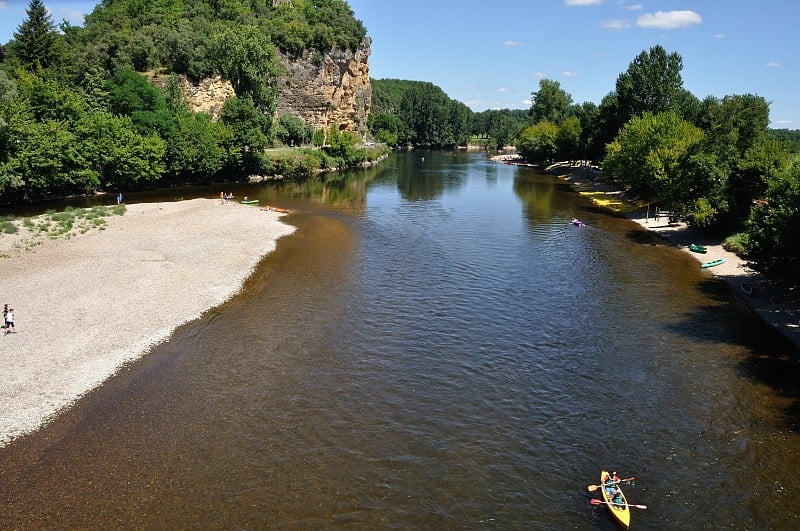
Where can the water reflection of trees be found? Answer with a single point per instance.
(537, 192)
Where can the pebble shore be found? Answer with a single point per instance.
(89, 304)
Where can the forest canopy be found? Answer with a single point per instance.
(79, 113)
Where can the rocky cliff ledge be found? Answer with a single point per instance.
(335, 90)
(323, 90)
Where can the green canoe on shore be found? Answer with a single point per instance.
(713, 263)
(697, 248)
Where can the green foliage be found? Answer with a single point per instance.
(293, 131)
(645, 154)
(45, 161)
(36, 41)
(568, 139)
(737, 244)
(773, 228)
(47, 99)
(387, 128)
(790, 137)
(652, 83)
(129, 92)
(702, 214)
(501, 126)
(247, 58)
(119, 156)
(200, 147)
(538, 142)
(550, 103)
(251, 127)
(429, 117)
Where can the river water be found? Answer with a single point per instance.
(436, 347)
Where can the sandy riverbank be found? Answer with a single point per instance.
(776, 305)
(87, 305)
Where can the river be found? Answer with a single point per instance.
(436, 347)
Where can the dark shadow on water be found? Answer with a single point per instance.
(644, 237)
(772, 359)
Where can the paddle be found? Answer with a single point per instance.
(598, 502)
(593, 488)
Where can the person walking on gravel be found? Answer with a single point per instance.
(10, 322)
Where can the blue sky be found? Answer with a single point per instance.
(492, 55)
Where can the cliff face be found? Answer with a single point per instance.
(335, 90)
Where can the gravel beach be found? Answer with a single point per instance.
(86, 305)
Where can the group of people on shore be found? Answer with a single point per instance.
(223, 198)
(8, 320)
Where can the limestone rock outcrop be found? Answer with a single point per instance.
(322, 89)
(330, 89)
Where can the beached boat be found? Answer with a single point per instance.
(713, 263)
(250, 202)
(746, 288)
(697, 248)
(278, 209)
(621, 514)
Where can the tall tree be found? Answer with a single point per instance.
(646, 153)
(652, 83)
(36, 38)
(550, 103)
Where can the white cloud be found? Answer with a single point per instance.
(719, 35)
(512, 43)
(615, 24)
(583, 2)
(782, 122)
(527, 102)
(773, 64)
(504, 90)
(669, 19)
(3, 5)
(635, 7)
(540, 75)
(569, 73)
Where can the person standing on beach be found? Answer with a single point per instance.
(10, 322)
(119, 198)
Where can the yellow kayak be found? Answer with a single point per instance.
(621, 514)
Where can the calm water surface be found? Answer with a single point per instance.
(436, 347)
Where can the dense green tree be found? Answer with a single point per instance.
(773, 227)
(120, 157)
(652, 83)
(568, 139)
(48, 99)
(46, 161)
(250, 126)
(734, 125)
(293, 131)
(538, 142)
(550, 103)
(645, 155)
(605, 126)
(36, 41)
(200, 147)
(129, 91)
(247, 58)
(388, 128)
(501, 126)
